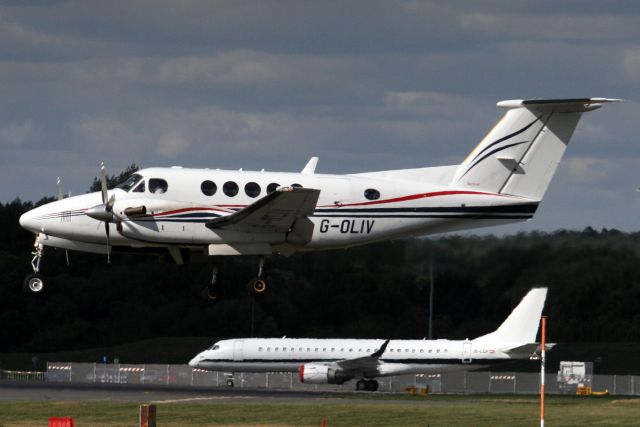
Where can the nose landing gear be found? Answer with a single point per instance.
(34, 283)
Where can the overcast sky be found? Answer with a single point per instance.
(364, 85)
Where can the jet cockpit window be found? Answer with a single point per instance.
(130, 182)
(158, 186)
(215, 347)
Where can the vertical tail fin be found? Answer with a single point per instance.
(522, 324)
(521, 153)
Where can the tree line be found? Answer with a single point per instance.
(378, 290)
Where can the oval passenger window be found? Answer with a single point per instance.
(208, 188)
(252, 189)
(230, 188)
(371, 194)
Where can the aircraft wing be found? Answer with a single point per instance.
(366, 363)
(274, 213)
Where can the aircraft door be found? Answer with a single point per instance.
(466, 352)
(238, 350)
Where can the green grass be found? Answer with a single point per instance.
(415, 411)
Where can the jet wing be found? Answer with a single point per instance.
(274, 213)
(366, 363)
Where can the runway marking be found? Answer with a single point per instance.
(192, 399)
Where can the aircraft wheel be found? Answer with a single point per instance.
(33, 284)
(230, 382)
(361, 385)
(210, 293)
(257, 286)
(372, 385)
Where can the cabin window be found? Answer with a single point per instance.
(406, 350)
(316, 348)
(208, 188)
(230, 188)
(300, 349)
(333, 349)
(268, 348)
(130, 182)
(342, 349)
(272, 187)
(324, 349)
(308, 349)
(275, 349)
(158, 186)
(252, 189)
(421, 351)
(430, 350)
(371, 194)
(391, 350)
(259, 348)
(296, 185)
(350, 350)
(139, 188)
(438, 351)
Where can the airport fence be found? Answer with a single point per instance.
(455, 382)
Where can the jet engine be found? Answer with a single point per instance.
(318, 373)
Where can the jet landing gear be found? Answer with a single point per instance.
(34, 283)
(367, 385)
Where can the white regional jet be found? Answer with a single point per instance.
(334, 361)
(223, 212)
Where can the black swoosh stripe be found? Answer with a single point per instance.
(493, 152)
(504, 138)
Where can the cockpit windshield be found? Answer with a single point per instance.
(214, 347)
(130, 182)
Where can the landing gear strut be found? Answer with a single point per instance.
(34, 283)
(367, 385)
(211, 292)
(258, 285)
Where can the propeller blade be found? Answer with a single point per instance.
(106, 229)
(110, 203)
(103, 184)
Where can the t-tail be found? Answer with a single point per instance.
(518, 333)
(519, 156)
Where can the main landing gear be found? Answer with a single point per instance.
(256, 287)
(367, 385)
(34, 283)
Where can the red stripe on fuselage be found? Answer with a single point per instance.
(418, 196)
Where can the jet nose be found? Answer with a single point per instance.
(195, 362)
(29, 222)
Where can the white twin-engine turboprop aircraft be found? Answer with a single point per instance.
(334, 361)
(223, 212)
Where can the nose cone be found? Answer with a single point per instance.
(29, 222)
(195, 362)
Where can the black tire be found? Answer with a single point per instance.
(373, 385)
(210, 294)
(257, 286)
(361, 385)
(33, 284)
(230, 382)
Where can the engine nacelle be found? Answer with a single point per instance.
(318, 373)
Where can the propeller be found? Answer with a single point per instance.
(104, 212)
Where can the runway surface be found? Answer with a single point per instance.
(65, 392)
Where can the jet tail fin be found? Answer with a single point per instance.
(519, 156)
(522, 324)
